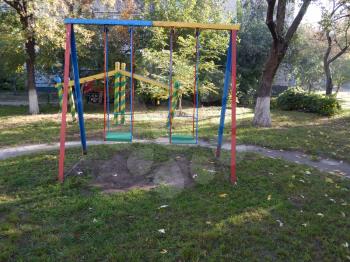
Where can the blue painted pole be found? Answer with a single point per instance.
(78, 91)
(104, 22)
(225, 94)
(131, 79)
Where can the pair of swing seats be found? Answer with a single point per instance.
(115, 135)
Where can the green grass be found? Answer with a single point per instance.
(42, 220)
(305, 132)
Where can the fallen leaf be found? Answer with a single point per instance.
(320, 214)
(162, 230)
(164, 251)
(223, 195)
(279, 222)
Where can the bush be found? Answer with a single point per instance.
(273, 103)
(296, 99)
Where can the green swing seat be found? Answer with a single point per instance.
(119, 136)
(183, 139)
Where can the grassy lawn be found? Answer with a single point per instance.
(278, 211)
(309, 133)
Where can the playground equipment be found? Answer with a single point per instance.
(173, 93)
(119, 109)
(71, 53)
(59, 88)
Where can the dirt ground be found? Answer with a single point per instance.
(129, 170)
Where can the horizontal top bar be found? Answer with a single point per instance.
(151, 23)
(83, 21)
(196, 25)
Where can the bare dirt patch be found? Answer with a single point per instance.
(129, 170)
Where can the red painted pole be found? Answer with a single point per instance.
(105, 89)
(64, 103)
(233, 107)
(171, 85)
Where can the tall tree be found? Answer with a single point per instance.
(281, 37)
(155, 54)
(307, 68)
(25, 11)
(335, 25)
(340, 71)
(253, 49)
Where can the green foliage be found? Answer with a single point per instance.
(296, 99)
(12, 55)
(340, 70)
(308, 69)
(154, 60)
(273, 103)
(253, 47)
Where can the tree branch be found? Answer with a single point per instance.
(297, 20)
(342, 51)
(269, 19)
(280, 18)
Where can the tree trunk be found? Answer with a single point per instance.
(310, 87)
(180, 105)
(262, 115)
(338, 88)
(326, 65)
(30, 62)
(26, 16)
(329, 82)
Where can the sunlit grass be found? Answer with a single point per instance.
(278, 211)
(305, 132)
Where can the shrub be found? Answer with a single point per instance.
(273, 103)
(296, 99)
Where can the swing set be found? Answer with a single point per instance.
(120, 74)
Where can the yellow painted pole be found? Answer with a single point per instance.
(116, 94)
(123, 72)
(196, 25)
(122, 95)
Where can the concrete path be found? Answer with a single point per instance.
(324, 164)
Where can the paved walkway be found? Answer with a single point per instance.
(324, 164)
